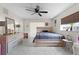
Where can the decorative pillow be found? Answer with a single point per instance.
(45, 31)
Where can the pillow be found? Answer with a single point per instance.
(45, 31)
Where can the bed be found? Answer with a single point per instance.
(49, 38)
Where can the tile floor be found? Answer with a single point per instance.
(28, 48)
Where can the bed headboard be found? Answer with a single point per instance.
(40, 29)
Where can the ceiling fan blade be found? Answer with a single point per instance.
(39, 14)
(32, 13)
(29, 10)
(43, 11)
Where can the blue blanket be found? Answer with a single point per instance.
(49, 36)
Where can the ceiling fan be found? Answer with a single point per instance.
(37, 10)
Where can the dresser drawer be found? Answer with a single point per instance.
(11, 45)
(0, 49)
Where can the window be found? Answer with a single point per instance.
(70, 27)
(76, 26)
(65, 27)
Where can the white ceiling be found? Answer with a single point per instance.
(52, 8)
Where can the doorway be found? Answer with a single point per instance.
(33, 28)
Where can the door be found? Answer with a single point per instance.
(33, 28)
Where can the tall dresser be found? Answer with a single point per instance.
(3, 45)
(0, 49)
(13, 40)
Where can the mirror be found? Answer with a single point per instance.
(10, 26)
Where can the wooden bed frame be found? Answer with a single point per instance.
(44, 43)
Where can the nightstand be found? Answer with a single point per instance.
(76, 48)
(25, 35)
(68, 45)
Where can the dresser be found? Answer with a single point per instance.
(3, 44)
(0, 49)
(8, 42)
(13, 40)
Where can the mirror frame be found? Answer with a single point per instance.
(6, 29)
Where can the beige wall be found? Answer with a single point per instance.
(26, 23)
(2, 29)
(6, 13)
(71, 10)
(29, 26)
